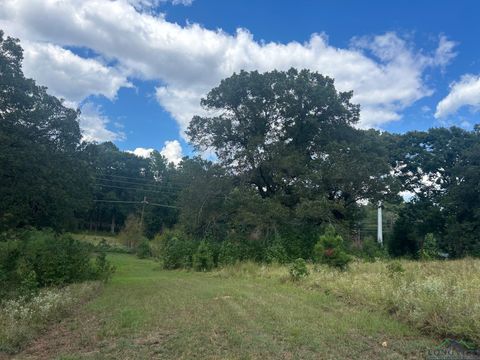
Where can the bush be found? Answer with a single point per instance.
(394, 269)
(429, 250)
(276, 253)
(298, 269)
(329, 250)
(38, 259)
(143, 249)
(104, 268)
(174, 249)
(229, 253)
(132, 233)
(371, 250)
(203, 257)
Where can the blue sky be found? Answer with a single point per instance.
(138, 68)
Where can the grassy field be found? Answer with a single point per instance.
(244, 312)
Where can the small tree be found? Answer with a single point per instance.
(104, 268)
(143, 249)
(429, 250)
(132, 233)
(298, 269)
(203, 258)
(330, 250)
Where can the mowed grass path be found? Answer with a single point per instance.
(149, 313)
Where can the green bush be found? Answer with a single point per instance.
(429, 249)
(395, 268)
(229, 253)
(203, 257)
(330, 250)
(276, 253)
(104, 269)
(38, 259)
(143, 249)
(298, 269)
(132, 233)
(174, 249)
(371, 250)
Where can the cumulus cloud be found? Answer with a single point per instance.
(465, 92)
(93, 124)
(385, 71)
(172, 151)
(70, 76)
(141, 152)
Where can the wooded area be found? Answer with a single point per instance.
(289, 161)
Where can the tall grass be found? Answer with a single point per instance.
(23, 318)
(438, 297)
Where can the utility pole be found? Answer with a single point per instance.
(144, 202)
(379, 224)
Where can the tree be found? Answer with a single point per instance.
(43, 181)
(271, 126)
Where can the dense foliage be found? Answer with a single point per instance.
(290, 167)
(34, 259)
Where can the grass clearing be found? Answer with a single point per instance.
(96, 239)
(436, 297)
(247, 313)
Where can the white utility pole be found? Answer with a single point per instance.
(379, 224)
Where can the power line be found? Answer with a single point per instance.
(159, 191)
(141, 179)
(137, 184)
(139, 202)
(154, 185)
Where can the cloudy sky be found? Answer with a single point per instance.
(138, 68)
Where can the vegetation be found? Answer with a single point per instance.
(36, 259)
(298, 269)
(242, 311)
(330, 250)
(294, 182)
(24, 318)
(290, 162)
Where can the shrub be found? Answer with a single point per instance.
(429, 249)
(38, 259)
(132, 233)
(203, 257)
(143, 250)
(329, 250)
(57, 259)
(104, 268)
(371, 250)
(298, 269)
(229, 253)
(395, 268)
(276, 253)
(174, 249)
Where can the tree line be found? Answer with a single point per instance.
(290, 162)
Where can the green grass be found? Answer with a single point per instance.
(96, 239)
(146, 312)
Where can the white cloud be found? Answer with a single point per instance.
(149, 4)
(142, 152)
(445, 52)
(385, 72)
(70, 76)
(93, 124)
(465, 92)
(172, 151)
